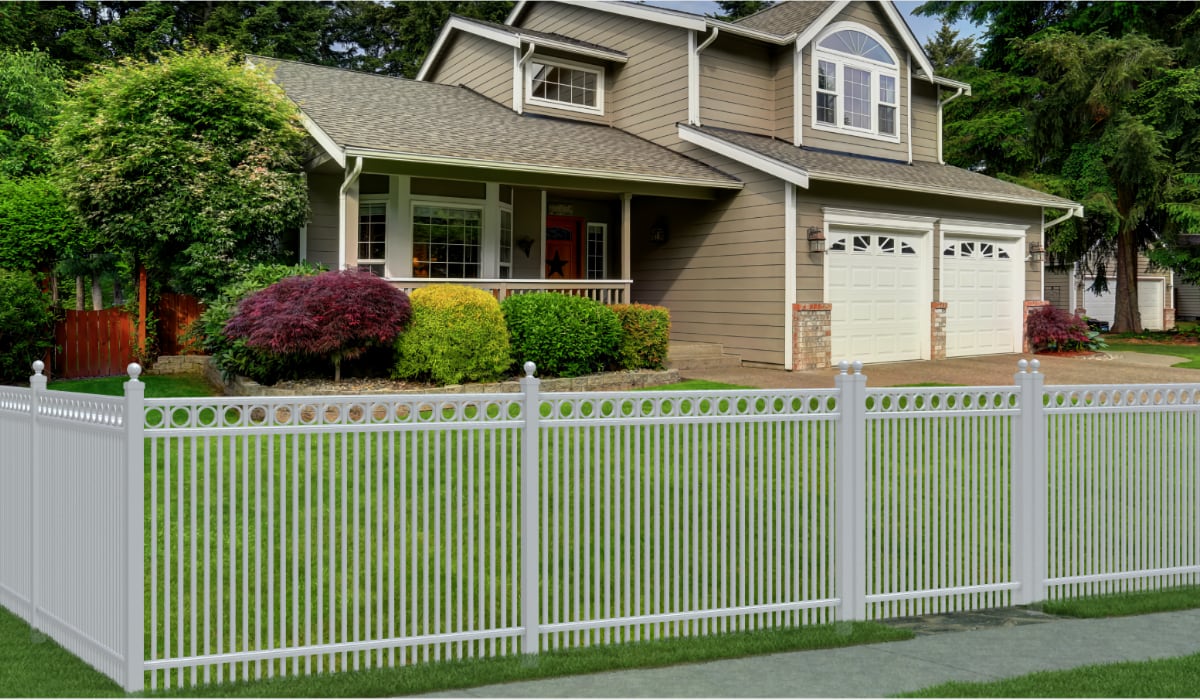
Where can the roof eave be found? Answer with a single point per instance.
(747, 156)
(933, 189)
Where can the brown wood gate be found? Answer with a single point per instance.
(102, 343)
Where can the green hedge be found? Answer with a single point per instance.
(26, 326)
(564, 335)
(457, 335)
(645, 335)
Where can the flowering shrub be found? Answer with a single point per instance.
(457, 334)
(564, 335)
(645, 334)
(1051, 328)
(335, 315)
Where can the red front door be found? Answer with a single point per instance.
(564, 247)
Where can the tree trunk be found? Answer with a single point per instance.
(97, 294)
(54, 290)
(1127, 318)
(78, 293)
(118, 294)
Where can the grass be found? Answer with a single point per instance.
(1162, 678)
(157, 386)
(1190, 353)
(1123, 604)
(33, 665)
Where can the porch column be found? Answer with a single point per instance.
(347, 192)
(626, 259)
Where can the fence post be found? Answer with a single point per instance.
(1029, 488)
(529, 511)
(135, 469)
(37, 383)
(851, 492)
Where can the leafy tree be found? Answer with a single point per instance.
(732, 10)
(31, 87)
(946, 50)
(26, 325)
(188, 165)
(337, 315)
(37, 226)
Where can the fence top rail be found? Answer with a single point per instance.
(82, 408)
(164, 415)
(625, 406)
(16, 398)
(1119, 397)
(899, 401)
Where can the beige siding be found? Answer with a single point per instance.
(647, 95)
(484, 66)
(323, 219)
(721, 272)
(527, 222)
(869, 16)
(924, 121)
(737, 86)
(784, 69)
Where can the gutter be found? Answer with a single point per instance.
(351, 178)
(1074, 211)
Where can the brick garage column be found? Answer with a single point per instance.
(1168, 319)
(1029, 307)
(937, 330)
(811, 344)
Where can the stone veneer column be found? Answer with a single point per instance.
(1168, 319)
(1029, 307)
(937, 330)
(811, 344)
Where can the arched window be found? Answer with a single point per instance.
(856, 80)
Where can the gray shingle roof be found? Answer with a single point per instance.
(407, 119)
(559, 38)
(786, 17)
(919, 176)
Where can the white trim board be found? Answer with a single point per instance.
(770, 166)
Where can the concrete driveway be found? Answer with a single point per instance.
(990, 370)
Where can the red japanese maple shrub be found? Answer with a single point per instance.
(1052, 328)
(338, 315)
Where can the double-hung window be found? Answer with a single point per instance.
(855, 79)
(565, 85)
(372, 236)
(446, 241)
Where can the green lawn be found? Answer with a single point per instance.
(157, 386)
(1120, 604)
(1190, 353)
(1164, 678)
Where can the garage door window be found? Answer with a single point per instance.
(977, 251)
(872, 245)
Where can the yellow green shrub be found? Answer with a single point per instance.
(457, 335)
(645, 334)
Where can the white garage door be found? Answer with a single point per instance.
(878, 310)
(981, 288)
(1150, 302)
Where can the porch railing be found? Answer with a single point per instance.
(603, 291)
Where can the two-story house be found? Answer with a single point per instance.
(775, 182)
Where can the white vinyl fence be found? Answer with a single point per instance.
(316, 534)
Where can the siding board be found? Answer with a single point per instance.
(482, 65)
(323, 221)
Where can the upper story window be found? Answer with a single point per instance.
(565, 85)
(855, 78)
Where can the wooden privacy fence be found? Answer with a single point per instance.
(172, 542)
(101, 343)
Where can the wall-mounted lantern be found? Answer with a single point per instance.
(658, 233)
(816, 240)
(1037, 252)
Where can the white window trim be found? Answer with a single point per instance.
(451, 203)
(512, 233)
(873, 67)
(563, 63)
(383, 199)
(587, 267)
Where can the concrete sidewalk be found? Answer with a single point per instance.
(880, 670)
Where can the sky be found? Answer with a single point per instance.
(923, 27)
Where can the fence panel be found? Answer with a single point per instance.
(671, 514)
(92, 343)
(313, 535)
(939, 463)
(1123, 488)
(16, 508)
(176, 313)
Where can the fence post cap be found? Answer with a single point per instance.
(134, 370)
(38, 366)
(1023, 365)
(858, 365)
(1034, 365)
(844, 366)
(529, 369)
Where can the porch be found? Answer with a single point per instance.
(603, 291)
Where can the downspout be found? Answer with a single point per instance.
(941, 105)
(1046, 226)
(694, 74)
(519, 91)
(351, 178)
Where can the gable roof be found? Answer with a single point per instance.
(786, 17)
(364, 114)
(514, 36)
(919, 176)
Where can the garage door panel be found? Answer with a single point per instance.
(981, 286)
(876, 317)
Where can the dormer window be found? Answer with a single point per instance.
(565, 85)
(855, 79)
